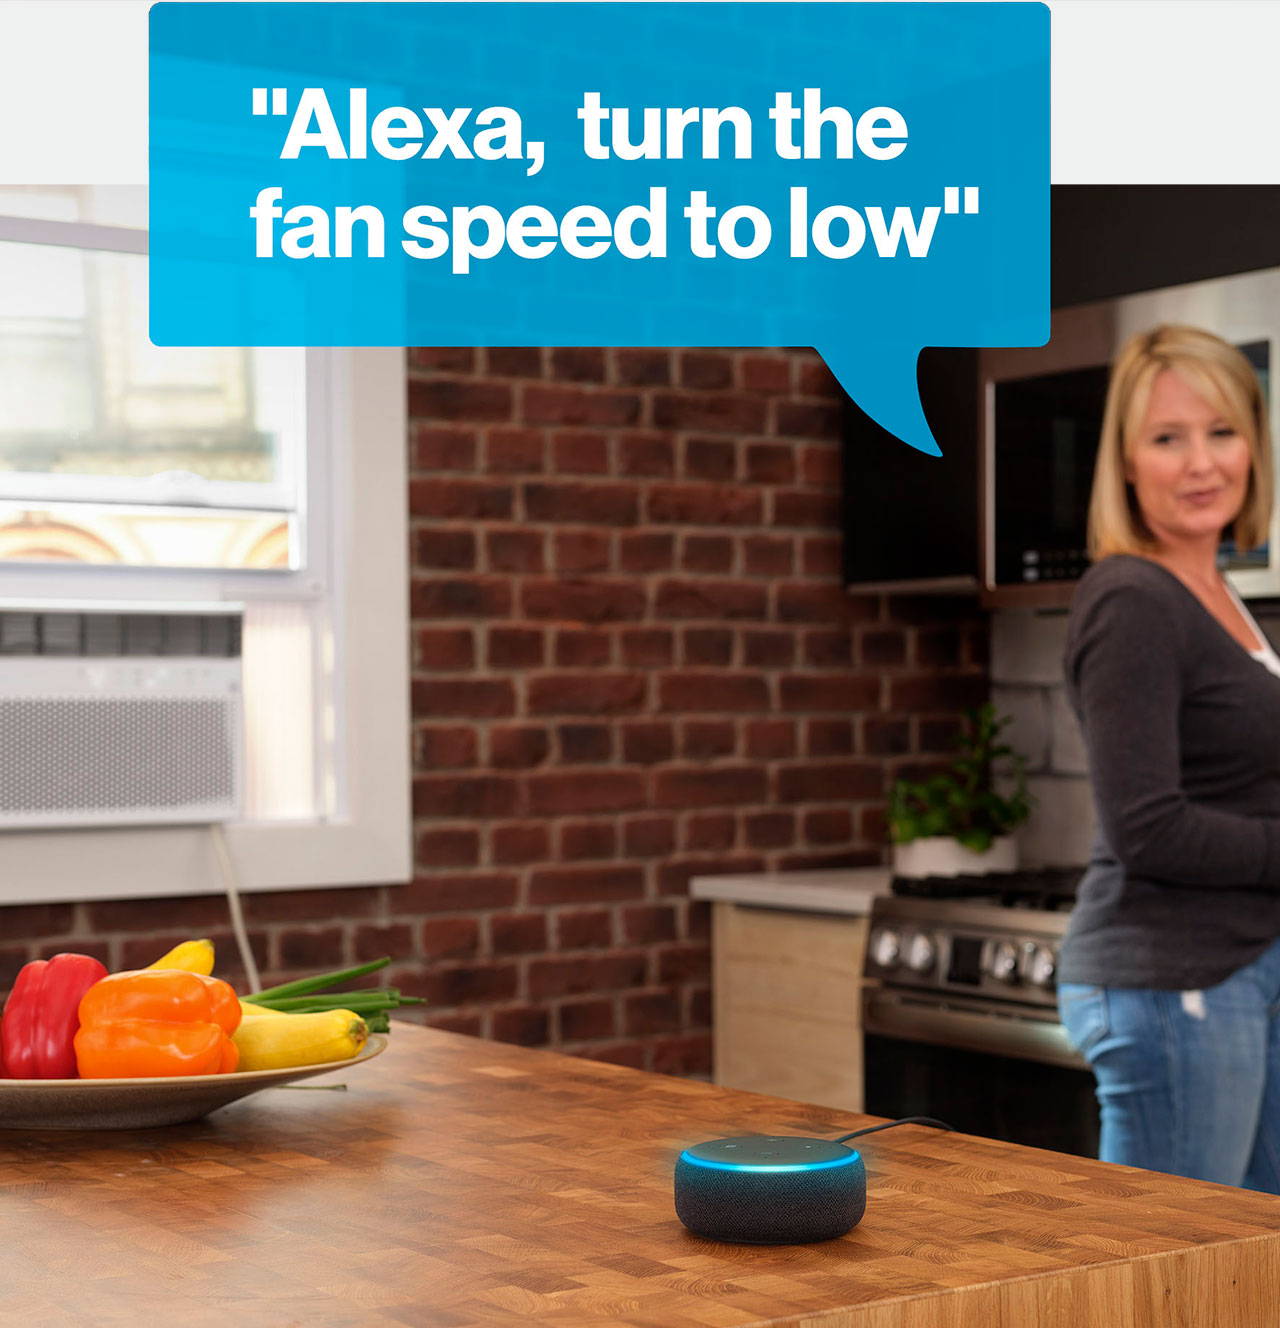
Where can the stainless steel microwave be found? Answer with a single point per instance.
(1042, 416)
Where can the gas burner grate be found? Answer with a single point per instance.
(1045, 888)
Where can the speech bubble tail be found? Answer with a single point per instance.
(881, 378)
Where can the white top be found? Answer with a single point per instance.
(1266, 656)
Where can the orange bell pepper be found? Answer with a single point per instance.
(157, 1022)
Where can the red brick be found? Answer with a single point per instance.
(705, 369)
(806, 419)
(518, 746)
(461, 358)
(454, 892)
(447, 848)
(554, 794)
(707, 553)
(703, 741)
(451, 549)
(710, 459)
(820, 467)
(460, 797)
(584, 650)
(765, 373)
(722, 787)
(929, 610)
(585, 973)
(828, 649)
(518, 933)
(889, 737)
(580, 453)
(646, 454)
(317, 949)
(646, 647)
(476, 597)
(717, 692)
(937, 692)
(803, 602)
(471, 985)
(585, 744)
(770, 739)
(584, 840)
(687, 1055)
(577, 405)
(821, 556)
(703, 505)
(873, 825)
(584, 929)
(515, 452)
(586, 694)
(584, 885)
(674, 874)
(515, 550)
(12, 961)
(715, 413)
(594, 601)
(514, 648)
(938, 647)
(684, 963)
(579, 364)
(646, 551)
(444, 399)
(831, 825)
(192, 914)
(880, 648)
(472, 697)
(372, 942)
(645, 1012)
(460, 499)
(25, 921)
(443, 449)
(716, 600)
(806, 510)
(523, 1026)
(469, 1025)
(581, 1021)
(607, 504)
(622, 1053)
(648, 923)
(649, 836)
(851, 781)
(767, 555)
(444, 648)
(515, 361)
(297, 906)
(829, 737)
(830, 691)
(700, 1007)
(147, 953)
(698, 920)
(648, 743)
(768, 650)
(935, 735)
(710, 831)
(642, 368)
(706, 645)
(519, 843)
(814, 379)
(769, 829)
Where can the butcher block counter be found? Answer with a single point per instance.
(464, 1183)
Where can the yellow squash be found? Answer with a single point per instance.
(272, 1042)
(189, 957)
(248, 1008)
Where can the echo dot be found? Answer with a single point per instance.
(766, 1189)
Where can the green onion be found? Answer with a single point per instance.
(303, 986)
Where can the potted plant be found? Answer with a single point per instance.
(957, 822)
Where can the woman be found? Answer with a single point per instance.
(1169, 977)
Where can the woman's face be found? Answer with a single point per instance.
(1188, 466)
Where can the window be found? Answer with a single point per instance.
(134, 472)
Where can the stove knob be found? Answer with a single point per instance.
(885, 947)
(1002, 962)
(919, 951)
(1039, 965)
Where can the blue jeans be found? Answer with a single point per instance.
(1188, 1082)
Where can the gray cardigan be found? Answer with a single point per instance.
(1182, 728)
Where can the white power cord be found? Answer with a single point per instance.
(230, 880)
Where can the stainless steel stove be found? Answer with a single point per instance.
(961, 1010)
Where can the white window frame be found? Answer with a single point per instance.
(357, 559)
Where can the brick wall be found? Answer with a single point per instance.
(634, 662)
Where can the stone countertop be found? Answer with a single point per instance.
(847, 890)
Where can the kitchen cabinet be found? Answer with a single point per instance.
(788, 950)
(466, 1184)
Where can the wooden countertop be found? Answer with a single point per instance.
(847, 890)
(463, 1184)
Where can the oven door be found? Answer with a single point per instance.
(980, 1069)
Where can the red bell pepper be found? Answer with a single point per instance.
(41, 1016)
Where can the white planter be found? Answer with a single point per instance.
(942, 856)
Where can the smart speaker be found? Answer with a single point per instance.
(759, 1189)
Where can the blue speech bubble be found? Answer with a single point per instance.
(868, 179)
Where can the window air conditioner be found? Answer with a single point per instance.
(119, 714)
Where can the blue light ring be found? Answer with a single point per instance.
(711, 1165)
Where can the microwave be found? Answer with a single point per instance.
(1041, 417)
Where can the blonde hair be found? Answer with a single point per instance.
(1216, 371)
